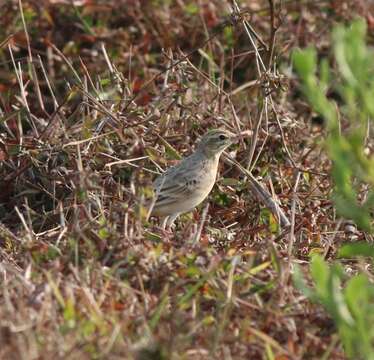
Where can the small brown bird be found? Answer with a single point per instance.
(184, 186)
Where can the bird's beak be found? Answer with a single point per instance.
(243, 134)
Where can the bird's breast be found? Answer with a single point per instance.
(207, 177)
(198, 182)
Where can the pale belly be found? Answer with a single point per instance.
(188, 203)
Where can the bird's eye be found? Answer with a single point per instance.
(222, 137)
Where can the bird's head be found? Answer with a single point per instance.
(214, 142)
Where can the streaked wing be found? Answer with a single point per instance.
(175, 184)
(171, 195)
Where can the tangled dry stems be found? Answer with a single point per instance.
(83, 131)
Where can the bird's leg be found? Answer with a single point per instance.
(171, 219)
(168, 221)
(164, 222)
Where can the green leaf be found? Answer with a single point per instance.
(170, 151)
(358, 249)
(156, 316)
(229, 182)
(320, 272)
(191, 8)
(305, 61)
(300, 283)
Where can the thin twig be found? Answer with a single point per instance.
(291, 235)
(293, 213)
(263, 195)
(281, 132)
(273, 30)
(197, 236)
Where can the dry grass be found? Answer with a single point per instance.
(93, 102)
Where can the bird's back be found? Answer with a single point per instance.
(184, 186)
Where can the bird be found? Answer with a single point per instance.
(184, 186)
